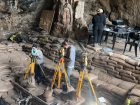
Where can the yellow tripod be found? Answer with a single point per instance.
(32, 66)
(84, 64)
(60, 63)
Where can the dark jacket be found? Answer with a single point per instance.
(70, 57)
(99, 20)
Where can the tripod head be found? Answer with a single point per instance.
(33, 52)
(61, 53)
(33, 57)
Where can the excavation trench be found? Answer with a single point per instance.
(114, 76)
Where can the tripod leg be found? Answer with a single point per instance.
(32, 67)
(41, 69)
(27, 70)
(55, 74)
(65, 75)
(79, 84)
(59, 76)
(92, 87)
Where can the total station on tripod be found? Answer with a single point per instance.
(33, 52)
(61, 53)
(59, 68)
(83, 61)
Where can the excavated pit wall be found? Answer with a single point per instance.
(20, 14)
(13, 65)
(126, 10)
(113, 76)
(109, 72)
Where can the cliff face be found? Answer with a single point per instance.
(126, 10)
(19, 14)
(22, 14)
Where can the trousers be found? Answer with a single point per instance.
(38, 72)
(89, 38)
(97, 31)
(68, 70)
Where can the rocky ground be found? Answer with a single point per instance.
(114, 76)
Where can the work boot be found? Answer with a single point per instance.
(98, 44)
(95, 45)
(38, 82)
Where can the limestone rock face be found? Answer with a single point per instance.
(18, 15)
(69, 20)
(63, 24)
(126, 10)
(14, 15)
(79, 10)
(80, 28)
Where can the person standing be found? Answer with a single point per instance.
(69, 60)
(99, 22)
(38, 71)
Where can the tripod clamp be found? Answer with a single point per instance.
(84, 70)
(33, 57)
(61, 59)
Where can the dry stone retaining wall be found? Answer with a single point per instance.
(117, 65)
(113, 76)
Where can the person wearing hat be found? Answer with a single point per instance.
(99, 22)
(69, 60)
(38, 71)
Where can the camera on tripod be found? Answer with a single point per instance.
(33, 53)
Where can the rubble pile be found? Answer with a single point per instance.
(12, 64)
(15, 17)
(113, 76)
(10, 47)
(52, 51)
(17, 63)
